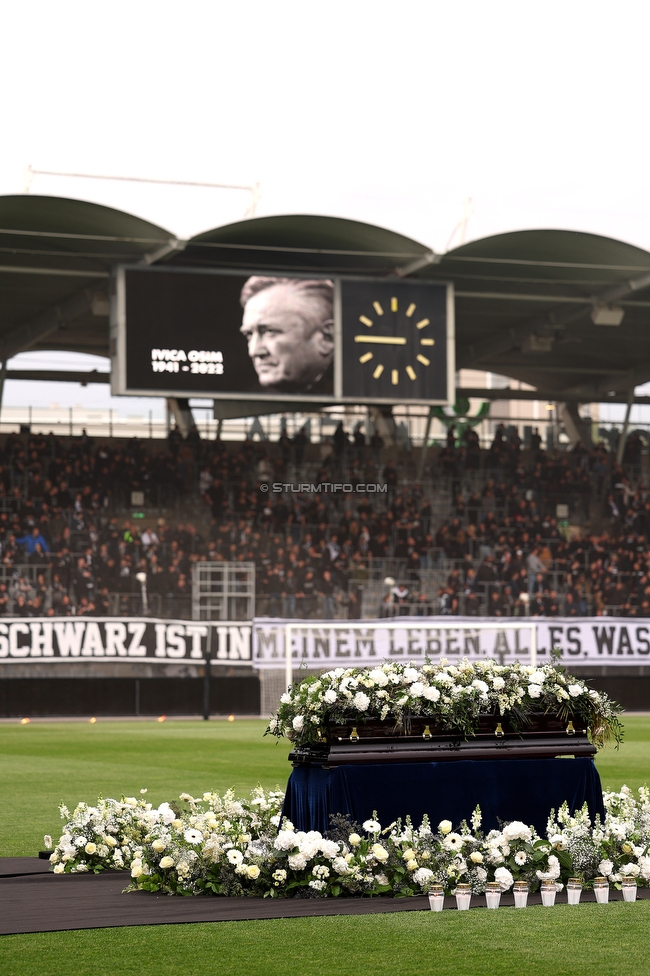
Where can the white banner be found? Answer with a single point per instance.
(114, 638)
(590, 640)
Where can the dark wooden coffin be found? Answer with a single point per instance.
(371, 740)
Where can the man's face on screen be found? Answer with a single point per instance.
(287, 343)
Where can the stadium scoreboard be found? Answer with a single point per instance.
(192, 332)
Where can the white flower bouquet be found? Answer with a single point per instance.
(452, 696)
(225, 845)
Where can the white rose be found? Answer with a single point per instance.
(298, 723)
(444, 827)
(476, 857)
(136, 870)
(354, 840)
(90, 848)
(380, 853)
(252, 872)
(158, 846)
(58, 869)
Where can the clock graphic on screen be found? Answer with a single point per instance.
(408, 332)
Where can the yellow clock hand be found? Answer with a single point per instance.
(382, 340)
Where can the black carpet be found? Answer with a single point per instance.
(34, 901)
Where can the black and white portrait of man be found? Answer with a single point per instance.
(288, 324)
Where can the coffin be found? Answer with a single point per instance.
(373, 740)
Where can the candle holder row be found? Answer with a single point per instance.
(520, 891)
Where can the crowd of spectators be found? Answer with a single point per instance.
(70, 544)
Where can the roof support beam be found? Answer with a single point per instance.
(545, 322)
(25, 336)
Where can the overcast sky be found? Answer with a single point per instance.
(392, 113)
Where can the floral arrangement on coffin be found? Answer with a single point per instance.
(452, 696)
(228, 846)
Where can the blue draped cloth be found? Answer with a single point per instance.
(505, 789)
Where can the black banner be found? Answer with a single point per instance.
(93, 638)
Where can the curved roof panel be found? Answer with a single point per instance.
(299, 242)
(524, 300)
(51, 250)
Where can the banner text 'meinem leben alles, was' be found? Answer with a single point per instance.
(616, 642)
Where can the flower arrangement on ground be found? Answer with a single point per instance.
(225, 845)
(453, 696)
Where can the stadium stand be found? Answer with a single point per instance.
(478, 535)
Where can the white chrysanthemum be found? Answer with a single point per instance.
(431, 693)
(534, 691)
(193, 836)
(516, 830)
(503, 877)
(361, 701)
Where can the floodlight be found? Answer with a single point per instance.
(607, 315)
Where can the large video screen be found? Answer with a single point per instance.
(196, 333)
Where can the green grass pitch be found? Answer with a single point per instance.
(43, 763)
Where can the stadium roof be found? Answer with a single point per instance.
(525, 301)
